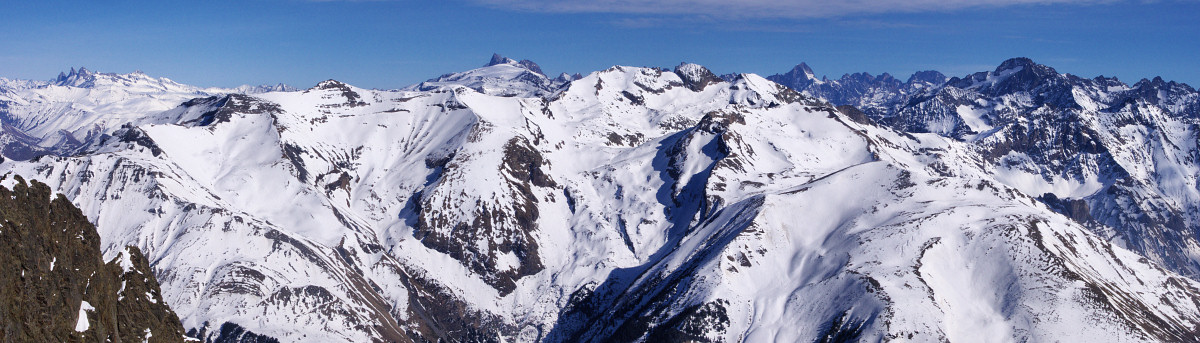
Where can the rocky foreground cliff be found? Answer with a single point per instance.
(55, 285)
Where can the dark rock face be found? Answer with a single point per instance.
(139, 137)
(497, 59)
(693, 324)
(230, 333)
(932, 77)
(799, 78)
(696, 77)
(220, 109)
(54, 267)
(506, 228)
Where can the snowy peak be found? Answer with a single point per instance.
(1022, 74)
(1017, 75)
(497, 59)
(695, 76)
(502, 76)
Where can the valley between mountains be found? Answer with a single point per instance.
(637, 204)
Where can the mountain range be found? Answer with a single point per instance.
(639, 204)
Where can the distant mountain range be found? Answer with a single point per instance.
(639, 204)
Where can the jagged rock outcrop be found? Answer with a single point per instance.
(56, 287)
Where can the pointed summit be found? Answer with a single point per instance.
(75, 78)
(799, 78)
(497, 59)
(803, 69)
(566, 78)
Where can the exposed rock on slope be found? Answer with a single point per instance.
(55, 287)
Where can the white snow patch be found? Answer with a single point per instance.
(8, 182)
(126, 263)
(82, 324)
(973, 117)
(507, 261)
(1036, 185)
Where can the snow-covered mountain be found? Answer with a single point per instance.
(1121, 159)
(76, 109)
(631, 204)
(501, 76)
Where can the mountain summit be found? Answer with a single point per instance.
(500, 76)
(80, 78)
(527, 64)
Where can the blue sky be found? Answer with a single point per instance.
(390, 44)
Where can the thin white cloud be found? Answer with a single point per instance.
(745, 9)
